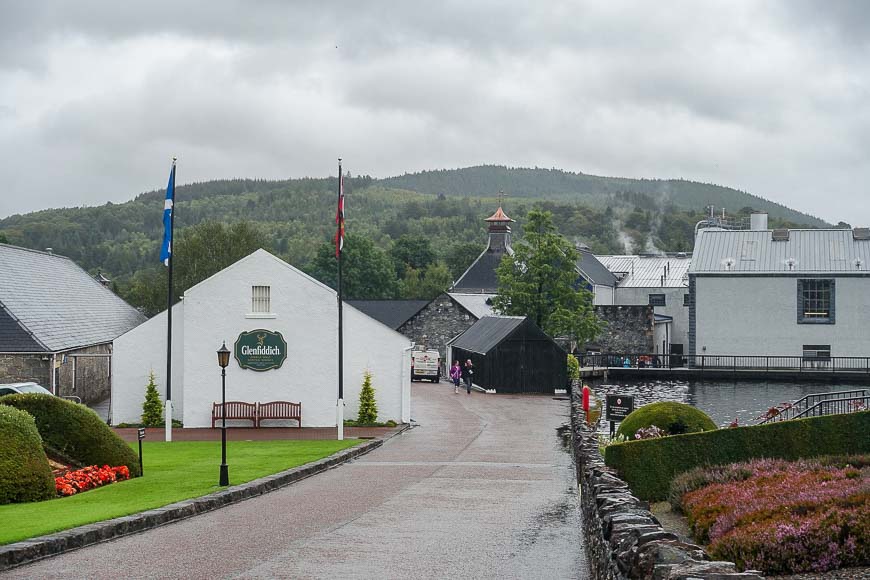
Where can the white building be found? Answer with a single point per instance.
(660, 281)
(262, 291)
(780, 292)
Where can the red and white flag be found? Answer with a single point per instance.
(339, 217)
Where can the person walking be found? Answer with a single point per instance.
(455, 375)
(467, 375)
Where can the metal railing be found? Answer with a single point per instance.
(835, 407)
(851, 401)
(701, 362)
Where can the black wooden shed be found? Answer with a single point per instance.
(512, 355)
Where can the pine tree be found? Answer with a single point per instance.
(152, 408)
(368, 407)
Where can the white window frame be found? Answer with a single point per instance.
(261, 302)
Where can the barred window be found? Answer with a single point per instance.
(815, 301)
(260, 299)
(657, 300)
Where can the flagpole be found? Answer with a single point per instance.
(340, 404)
(168, 423)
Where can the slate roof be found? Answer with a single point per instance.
(393, 313)
(474, 303)
(14, 337)
(480, 276)
(594, 271)
(755, 251)
(647, 271)
(486, 333)
(57, 302)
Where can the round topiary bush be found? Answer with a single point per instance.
(74, 431)
(24, 471)
(673, 418)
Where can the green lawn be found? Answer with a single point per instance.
(173, 472)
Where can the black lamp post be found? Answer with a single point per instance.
(223, 360)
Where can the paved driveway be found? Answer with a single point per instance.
(481, 488)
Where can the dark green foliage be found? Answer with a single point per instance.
(3, 239)
(152, 408)
(540, 281)
(573, 367)
(460, 255)
(433, 281)
(671, 417)
(368, 406)
(366, 270)
(650, 465)
(411, 251)
(24, 471)
(74, 431)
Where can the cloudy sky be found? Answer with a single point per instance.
(770, 97)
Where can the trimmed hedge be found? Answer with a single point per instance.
(649, 465)
(671, 417)
(74, 431)
(24, 471)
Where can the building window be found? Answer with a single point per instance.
(261, 301)
(815, 301)
(817, 352)
(657, 300)
(686, 300)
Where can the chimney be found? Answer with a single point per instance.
(758, 221)
(499, 231)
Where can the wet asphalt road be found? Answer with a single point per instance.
(482, 488)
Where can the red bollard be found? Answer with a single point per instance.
(586, 401)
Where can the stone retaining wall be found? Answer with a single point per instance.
(623, 538)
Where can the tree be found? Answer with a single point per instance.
(435, 280)
(368, 406)
(366, 270)
(3, 239)
(413, 251)
(152, 408)
(541, 281)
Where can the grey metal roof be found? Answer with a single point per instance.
(393, 313)
(487, 333)
(647, 271)
(474, 303)
(60, 304)
(755, 251)
(593, 270)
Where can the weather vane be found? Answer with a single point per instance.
(501, 195)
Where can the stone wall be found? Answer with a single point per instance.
(628, 329)
(437, 323)
(623, 538)
(92, 374)
(19, 368)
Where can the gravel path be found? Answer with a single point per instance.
(482, 488)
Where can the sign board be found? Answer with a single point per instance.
(619, 406)
(141, 433)
(260, 350)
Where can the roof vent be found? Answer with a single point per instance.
(790, 263)
(780, 235)
(861, 234)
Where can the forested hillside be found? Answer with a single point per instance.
(418, 232)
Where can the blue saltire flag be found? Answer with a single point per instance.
(166, 247)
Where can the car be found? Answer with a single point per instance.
(16, 388)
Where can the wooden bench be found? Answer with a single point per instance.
(279, 410)
(236, 410)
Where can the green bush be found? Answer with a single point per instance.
(671, 417)
(573, 368)
(368, 406)
(24, 471)
(650, 465)
(74, 431)
(152, 408)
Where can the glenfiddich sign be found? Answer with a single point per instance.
(260, 350)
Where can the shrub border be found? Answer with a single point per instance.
(39, 548)
(650, 465)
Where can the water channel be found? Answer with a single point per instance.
(723, 401)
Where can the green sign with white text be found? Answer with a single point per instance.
(260, 350)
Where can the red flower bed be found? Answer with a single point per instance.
(786, 517)
(87, 478)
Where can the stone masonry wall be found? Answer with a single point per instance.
(19, 368)
(623, 538)
(92, 379)
(437, 323)
(628, 328)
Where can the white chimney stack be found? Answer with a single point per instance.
(758, 220)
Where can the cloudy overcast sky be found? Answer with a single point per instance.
(770, 97)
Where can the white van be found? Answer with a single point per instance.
(425, 364)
